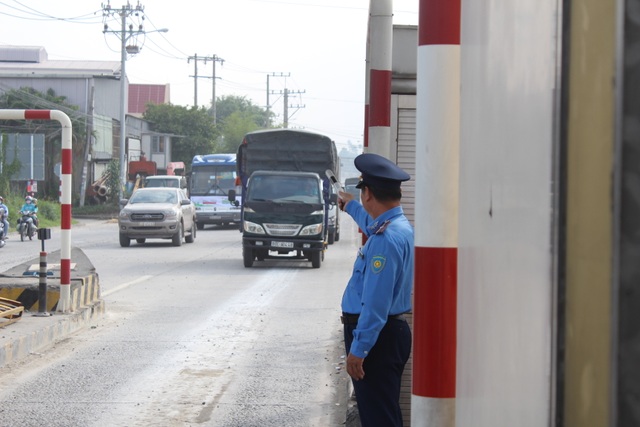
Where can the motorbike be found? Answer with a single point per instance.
(26, 226)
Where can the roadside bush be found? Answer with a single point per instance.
(48, 211)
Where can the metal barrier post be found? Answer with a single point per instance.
(64, 304)
(43, 234)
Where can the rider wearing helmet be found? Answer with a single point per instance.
(4, 214)
(29, 208)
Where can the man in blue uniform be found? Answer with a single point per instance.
(377, 337)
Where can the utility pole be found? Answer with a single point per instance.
(195, 58)
(268, 92)
(195, 78)
(286, 92)
(124, 13)
(213, 93)
(125, 34)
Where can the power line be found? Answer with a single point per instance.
(42, 16)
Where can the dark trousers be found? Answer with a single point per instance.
(378, 393)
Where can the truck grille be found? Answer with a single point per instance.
(282, 229)
(147, 217)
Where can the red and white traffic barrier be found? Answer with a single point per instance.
(64, 304)
(436, 238)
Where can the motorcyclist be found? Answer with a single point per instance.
(4, 214)
(29, 208)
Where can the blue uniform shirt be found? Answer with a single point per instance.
(382, 277)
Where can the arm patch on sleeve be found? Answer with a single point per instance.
(377, 263)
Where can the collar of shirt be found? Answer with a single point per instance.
(382, 221)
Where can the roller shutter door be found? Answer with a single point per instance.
(406, 155)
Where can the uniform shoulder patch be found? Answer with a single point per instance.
(377, 263)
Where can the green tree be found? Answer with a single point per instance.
(233, 129)
(193, 128)
(237, 116)
(27, 98)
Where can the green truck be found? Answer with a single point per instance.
(287, 197)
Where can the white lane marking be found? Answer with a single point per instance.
(126, 285)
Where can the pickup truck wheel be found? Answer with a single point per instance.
(176, 240)
(247, 257)
(316, 259)
(124, 241)
(141, 241)
(332, 238)
(337, 234)
(192, 234)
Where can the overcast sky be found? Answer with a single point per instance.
(314, 46)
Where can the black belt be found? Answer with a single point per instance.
(352, 319)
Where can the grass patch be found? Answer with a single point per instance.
(49, 211)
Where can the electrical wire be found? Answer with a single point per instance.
(35, 15)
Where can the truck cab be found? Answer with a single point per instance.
(283, 216)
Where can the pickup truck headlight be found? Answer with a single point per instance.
(170, 214)
(124, 214)
(252, 227)
(311, 230)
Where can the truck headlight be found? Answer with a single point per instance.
(311, 230)
(252, 227)
(124, 214)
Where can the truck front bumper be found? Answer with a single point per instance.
(282, 245)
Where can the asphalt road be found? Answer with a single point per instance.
(191, 337)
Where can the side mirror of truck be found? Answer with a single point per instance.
(333, 199)
(232, 196)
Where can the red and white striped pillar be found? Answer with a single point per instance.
(436, 235)
(378, 93)
(64, 303)
(367, 86)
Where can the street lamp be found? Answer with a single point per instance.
(123, 98)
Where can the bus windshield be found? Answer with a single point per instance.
(214, 180)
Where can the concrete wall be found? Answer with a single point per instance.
(509, 57)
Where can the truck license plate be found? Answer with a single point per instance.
(148, 224)
(282, 244)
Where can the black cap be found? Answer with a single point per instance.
(379, 172)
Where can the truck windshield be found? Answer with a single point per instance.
(214, 180)
(284, 189)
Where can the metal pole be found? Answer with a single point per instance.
(123, 99)
(42, 282)
(43, 234)
(213, 95)
(195, 80)
(268, 106)
(286, 108)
